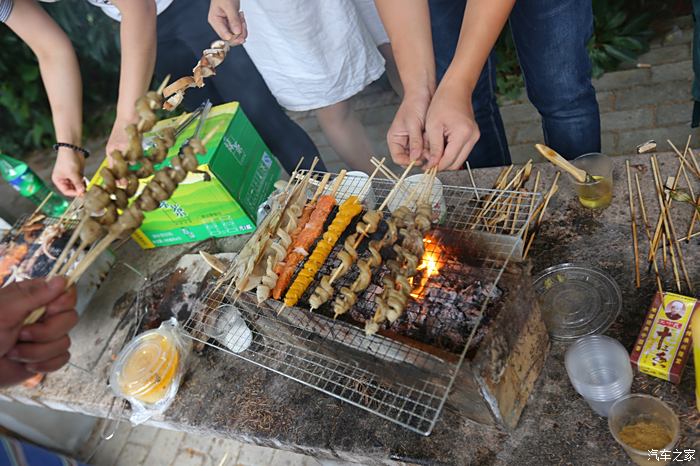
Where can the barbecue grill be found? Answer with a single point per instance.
(406, 371)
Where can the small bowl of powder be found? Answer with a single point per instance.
(643, 424)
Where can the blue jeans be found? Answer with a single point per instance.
(550, 37)
(183, 33)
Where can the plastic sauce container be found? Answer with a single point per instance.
(148, 370)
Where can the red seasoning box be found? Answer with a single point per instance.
(664, 343)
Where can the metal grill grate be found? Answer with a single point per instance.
(403, 377)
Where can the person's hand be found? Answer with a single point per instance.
(227, 19)
(405, 135)
(118, 139)
(450, 127)
(40, 347)
(67, 173)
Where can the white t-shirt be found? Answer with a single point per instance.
(311, 53)
(113, 12)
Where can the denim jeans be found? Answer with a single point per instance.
(183, 33)
(550, 38)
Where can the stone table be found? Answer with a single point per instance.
(222, 395)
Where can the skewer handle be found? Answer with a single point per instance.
(553, 157)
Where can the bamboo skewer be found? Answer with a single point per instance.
(647, 230)
(384, 169)
(659, 224)
(531, 214)
(663, 208)
(552, 190)
(471, 179)
(671, 231)
(634, 226)
(494, 198)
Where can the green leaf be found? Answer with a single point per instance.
(619, 54)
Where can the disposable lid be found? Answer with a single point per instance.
(144, 364)
(577, 300)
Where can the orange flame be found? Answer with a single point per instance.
(430, 262)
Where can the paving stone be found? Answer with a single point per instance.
(197, 443)
(521, 153)
(224, 447)
(165, 448)
(519, 113)
(680, 71)
(622, 79)
(529, 133)
(608, 142)
(673, 114)
(132, 455)
(143, 435)
(669, 92)
(188, 458)
(629, 140)
(627, 119)
(253, 455)
(288, 458)
(668, 54)
(606, 101)
(108, 451)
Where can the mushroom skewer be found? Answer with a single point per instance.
(412, 226)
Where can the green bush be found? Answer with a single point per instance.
(25, 116)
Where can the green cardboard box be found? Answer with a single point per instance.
(242, 172)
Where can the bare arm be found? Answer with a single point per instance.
(138, 46)
(482, 24)
(449, 125)
(407, 23)
(61, 76)
(451, 128)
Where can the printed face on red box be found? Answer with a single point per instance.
(675, 310)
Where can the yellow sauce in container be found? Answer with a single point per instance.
(149, 369)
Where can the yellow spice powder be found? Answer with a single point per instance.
(645, 435)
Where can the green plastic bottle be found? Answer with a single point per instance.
(29, 185)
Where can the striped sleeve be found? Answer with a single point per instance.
(5, 10)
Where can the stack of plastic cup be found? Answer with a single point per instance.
(599, 369)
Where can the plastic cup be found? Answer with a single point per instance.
(599, 369)
(231, 330)
(637, 407)
(437, 198)
(354, 184)
(597, 194)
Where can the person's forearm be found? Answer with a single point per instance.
(481, 26)
(61, 76)
(138, 54)
(407, 23)
(58, 65)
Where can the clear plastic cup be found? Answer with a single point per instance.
(355, 184)
(635, 408)
(230, 329)
(599, 369)
(597, 194)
